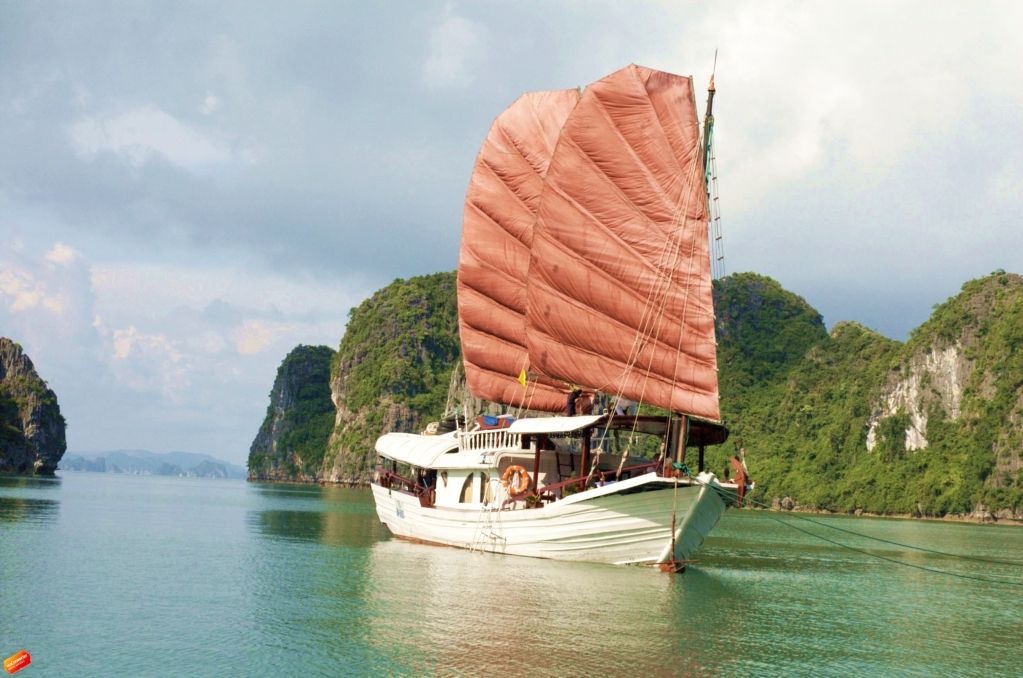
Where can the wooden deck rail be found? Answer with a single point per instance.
(393, 481)
(489, 439)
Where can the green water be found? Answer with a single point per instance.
(120, 575)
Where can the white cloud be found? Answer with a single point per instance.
(150, 363)
(454, 45)
(120, 343)
(826, 87)
(211, 104)
(61, 254)
(253, 337)
(142, 289)
(24, 291)
(1006, 185)
(47, 308)
(139, 134)
(123, 340)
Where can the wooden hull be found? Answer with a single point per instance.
(629, 522)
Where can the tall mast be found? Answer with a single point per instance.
(708, 126)
(710, 181)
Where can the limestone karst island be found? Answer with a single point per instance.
(871, 424)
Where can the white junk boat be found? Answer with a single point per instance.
(584, 276)
(459, 498)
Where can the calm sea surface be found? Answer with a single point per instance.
(123, 575)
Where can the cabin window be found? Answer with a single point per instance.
(486, 494)
(466, 497)
(444, 477)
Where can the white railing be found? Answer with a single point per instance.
(489, 441)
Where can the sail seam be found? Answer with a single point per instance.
(513, 142)
(530, 212)
(490, 267)
(595, 221)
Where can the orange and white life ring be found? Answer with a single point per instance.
(523, 480)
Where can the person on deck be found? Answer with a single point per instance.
(572, 397)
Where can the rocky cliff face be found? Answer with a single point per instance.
(31, 426)
(930, 378)
(960, 379)
(291, 443)
(392, 371)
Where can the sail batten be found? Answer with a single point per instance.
(623, 329)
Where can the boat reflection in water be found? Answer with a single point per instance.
(473, 614)
(334, 516)
(25, 498)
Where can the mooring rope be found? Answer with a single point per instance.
(899, 562)
(1010, 582)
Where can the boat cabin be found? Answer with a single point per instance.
(531, 462)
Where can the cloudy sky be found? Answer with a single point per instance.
(188, 190)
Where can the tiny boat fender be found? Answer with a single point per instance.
(523, 479)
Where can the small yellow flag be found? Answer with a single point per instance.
(522, 377)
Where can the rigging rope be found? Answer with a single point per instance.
(653, 308)
(962, 556)
(679, 220)
(899, 562)
(889, 541)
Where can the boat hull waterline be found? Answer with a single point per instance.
(625, 523)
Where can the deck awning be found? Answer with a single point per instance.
(425, 451)
(701, 432)
(534, 425)
(414, 449)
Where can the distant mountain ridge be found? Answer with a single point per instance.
(146, 463)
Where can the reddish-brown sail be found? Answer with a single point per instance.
(497, 232)
(619, 295)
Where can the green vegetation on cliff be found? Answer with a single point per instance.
(400, 342)
(762, 330)
(392, 369)
(929, 427)
(981, 439)
(803, 428)
(292, 441)
(844, 421)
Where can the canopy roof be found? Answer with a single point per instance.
(701, 432)
(554, 425)
(424, 451)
